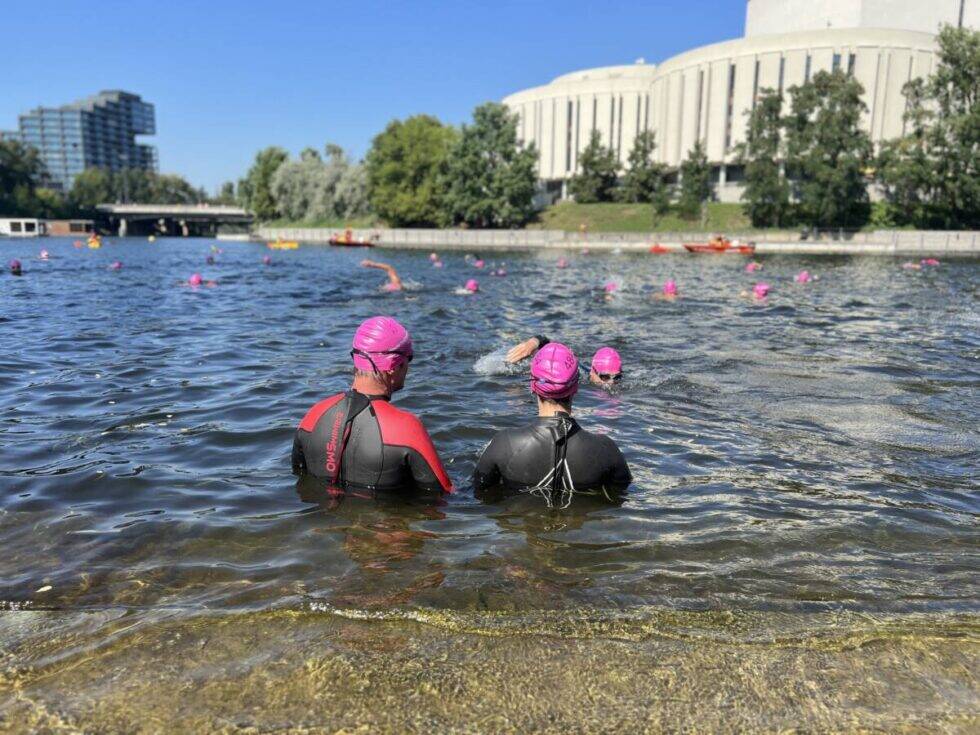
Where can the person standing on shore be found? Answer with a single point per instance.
(553, 457)
(357, 439)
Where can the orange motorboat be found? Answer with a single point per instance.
(347, 241)
(659, 249)
(720, 244)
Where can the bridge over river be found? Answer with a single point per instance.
(181, 220)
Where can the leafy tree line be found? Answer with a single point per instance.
(418, 172)
(23, 190)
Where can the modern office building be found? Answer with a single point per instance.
(96, 132)
(704, 94)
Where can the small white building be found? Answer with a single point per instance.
(21, 227)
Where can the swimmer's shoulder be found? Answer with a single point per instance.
(315, 413)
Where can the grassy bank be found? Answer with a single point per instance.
(637, 218)
(330, 224)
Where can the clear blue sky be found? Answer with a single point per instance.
(228, 78)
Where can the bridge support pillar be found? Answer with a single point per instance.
(185, 231)
(123, 227)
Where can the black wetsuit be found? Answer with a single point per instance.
(553, 457)
(359, 441)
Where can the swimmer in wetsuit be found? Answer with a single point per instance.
(394, 282)
(553, 457)
(606, 370)
(358, 439)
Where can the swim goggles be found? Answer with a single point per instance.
(408, 356)
(614, 377)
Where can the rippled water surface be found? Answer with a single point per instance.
(815, 452)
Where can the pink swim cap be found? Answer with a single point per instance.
(611, 286)
(930, 261)
(478, 263)
(803, 277)
(554, 372)
(472, 285)
(670, 287)
(267, 259)
(15, 265)
(433, 257)
(116, 265)
(606, 361)
(562, 263)
(381, 342)
(196, 280)
(761, 290)
(753, 267)
(437, 263)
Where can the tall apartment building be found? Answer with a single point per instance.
(96, 132)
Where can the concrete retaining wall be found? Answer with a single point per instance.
(884, 242)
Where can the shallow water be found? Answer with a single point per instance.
(814, 454)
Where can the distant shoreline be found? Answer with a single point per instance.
(895, 243)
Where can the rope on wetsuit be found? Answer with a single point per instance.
(356, 403)
(557, 486)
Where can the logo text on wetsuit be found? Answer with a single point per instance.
(332, 444)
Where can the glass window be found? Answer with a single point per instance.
(836, 62)
(15, 227)
(851, 61)
(30, 227)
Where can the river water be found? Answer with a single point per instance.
(804, 467)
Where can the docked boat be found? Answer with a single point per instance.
(659, 249)
(347, 241)
(719, 245)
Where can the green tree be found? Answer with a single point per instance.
(404, 166)
(766, 196)
(255, 189)
(21, 172)
(91, 187)
(645, 179)
(696, 188)
(931, 177)
(490, 177)
(226, 194)
(828, 151)
(597, 173)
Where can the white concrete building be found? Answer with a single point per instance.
(704, 94)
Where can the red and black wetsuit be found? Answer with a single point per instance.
(360, 441)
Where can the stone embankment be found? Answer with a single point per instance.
(883, 242)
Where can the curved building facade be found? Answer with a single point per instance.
(704, 94)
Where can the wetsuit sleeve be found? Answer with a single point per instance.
(542, 340)
(299, 461)
(487, 471)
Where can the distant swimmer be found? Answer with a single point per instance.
(357, 439)
(759, 292)
(15, 267)
(562, 263)
(433, 257)
(929, 262)
(609, 290)
(116, 265)
(198, 280)
(553, 457)
(669, 292)
(209, 260)
(803, 277)
(472, 286)
(607, 367)
(44, 255)
(266, 260)
(394, 282)
(753, 267)
(478, 263)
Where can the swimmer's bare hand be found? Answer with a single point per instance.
(523, 350)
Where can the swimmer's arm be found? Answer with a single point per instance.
(619, 475)
(526, 348)
(299, 461)
(392, 273)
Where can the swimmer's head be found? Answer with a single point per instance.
(803, 277)
(554, 373)
(44, 255)
(209, 260)
(562, 263)
(472, 285)
(761, 290)
(195, 280)
(929, 261)
(670, 287)
(267, 260)
(478, 263)
(753, 267)
(433, 257)
(607, 367)
(383, 347)
(15, 267)
(611, 287)
(116, 265)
